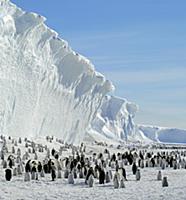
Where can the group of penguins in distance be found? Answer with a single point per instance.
(105, 167)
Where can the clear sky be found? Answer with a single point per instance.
(140, 45)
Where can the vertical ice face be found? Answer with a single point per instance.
(162, 134)
(115, 119)
(45, 87)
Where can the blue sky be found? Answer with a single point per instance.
(140, 45)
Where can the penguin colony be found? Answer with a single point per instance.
(101, 168)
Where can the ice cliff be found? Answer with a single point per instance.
(45, 87)
(114, 119)
(162, 134)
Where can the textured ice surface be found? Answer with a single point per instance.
(114, 119)
(164, 135)
(45, 87)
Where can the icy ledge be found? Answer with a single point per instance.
(46, 87)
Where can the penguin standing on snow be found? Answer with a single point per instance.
(175, 165)
(59, 174)
(122, 185)
(42, 173)
(142, 164)
(138, 175)
(4, 164)
(27, 166)
(19, 169)
(91, 180)
(70, 178)
(116, 180)
(90, 172)
(66, 173)
(53, 171)
(39, 167)
(101, 176)
(13, 150)
(33, 171)
(134, 168)
(10, 158)
(164, 182)
(107, 177)
(159, 176)
(8, 174)
(81, 174)
(75, 173)
(124, 173)
(37, 176)
(46, 168)
(15, 171)
(27, 176)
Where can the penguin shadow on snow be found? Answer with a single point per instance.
(80, 184)
(106, 185)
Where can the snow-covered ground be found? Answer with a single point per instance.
(148, 188)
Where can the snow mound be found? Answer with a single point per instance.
(46, 87)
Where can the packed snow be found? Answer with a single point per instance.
(143, 186)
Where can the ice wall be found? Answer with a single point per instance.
(45, 87)
(114, 119)
(164, 135)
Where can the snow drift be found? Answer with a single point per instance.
(46, 87)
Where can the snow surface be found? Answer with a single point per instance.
(148, 188)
